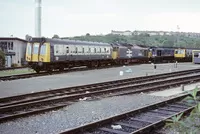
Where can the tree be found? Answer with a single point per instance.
(2, 58)
(55, 36)
(28, 37)
(143, 39)
(87, 34)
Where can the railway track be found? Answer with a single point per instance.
(145, 120)
(23, 105)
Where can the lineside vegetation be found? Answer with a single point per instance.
(144, 39)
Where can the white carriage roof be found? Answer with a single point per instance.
(67, 41)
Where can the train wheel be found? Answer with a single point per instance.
(61, 68)
(49, 70)
(37, 70)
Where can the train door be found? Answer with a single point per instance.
(83, 57)
(146, 53)
(45, 52)
(115, 53)
(35, 51)
(67, 51)
(159, 52)
(29, 52)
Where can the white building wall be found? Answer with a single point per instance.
(19, 47)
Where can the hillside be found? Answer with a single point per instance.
(155, 40)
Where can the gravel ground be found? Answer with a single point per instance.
(76, 114)
(35, 84)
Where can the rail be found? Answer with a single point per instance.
(143, 120)
(19, 106)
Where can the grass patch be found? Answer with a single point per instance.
(16, 72)
(189, 124)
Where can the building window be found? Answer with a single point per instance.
(11, 46)
(5, 45)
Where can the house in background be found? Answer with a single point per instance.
(125, 33)
(14, 49)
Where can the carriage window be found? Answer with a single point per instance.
(104, 49)
(83, 49)
(100, 50)
(95, 50)
(196, 54)
(76, 50)
(89, 50)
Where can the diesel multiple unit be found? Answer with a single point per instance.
(44, 54)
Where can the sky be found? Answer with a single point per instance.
(68, 18)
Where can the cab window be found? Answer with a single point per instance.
(29, 49)
(35, 48)
(43, 50)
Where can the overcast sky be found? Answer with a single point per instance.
(78, 17)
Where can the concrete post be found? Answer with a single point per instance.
(182, 87)
(38, 18)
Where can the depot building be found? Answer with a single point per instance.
(14, 49)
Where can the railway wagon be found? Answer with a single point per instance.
(184, 54)
(128, 53)
(161, 54)
(49, 54)
(196, 56)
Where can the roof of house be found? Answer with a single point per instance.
(12, 38)
(120, 31)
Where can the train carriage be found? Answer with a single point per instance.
(196, 56)
(49, 54)
(44, 54)
(140, 53)
(184, 54)
(128, 53)
(161, 54)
